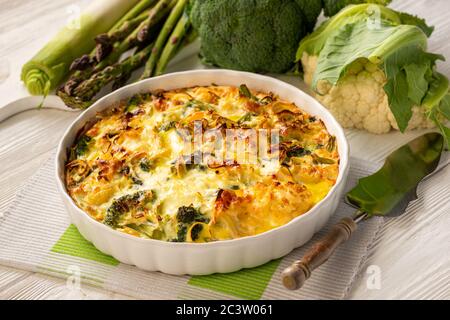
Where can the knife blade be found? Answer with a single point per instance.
(387, 192)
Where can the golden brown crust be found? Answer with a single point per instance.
(138, 146)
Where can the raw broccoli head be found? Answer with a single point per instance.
(257, 36)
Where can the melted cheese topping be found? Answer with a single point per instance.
(137, 169)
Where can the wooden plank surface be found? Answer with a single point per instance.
(28, 138)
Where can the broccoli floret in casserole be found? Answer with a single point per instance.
(195, 231)
(135, 101)
(82, 145)
(145, 164)
(121, 209)
(186, 216)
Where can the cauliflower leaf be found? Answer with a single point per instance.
(331, 7)
(393, 43)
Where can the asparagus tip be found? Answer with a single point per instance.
(104, 46)
(81, 63)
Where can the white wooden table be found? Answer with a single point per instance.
(413, 260)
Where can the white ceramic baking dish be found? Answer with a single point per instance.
(220, 256)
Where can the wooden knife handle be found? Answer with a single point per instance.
(295, 276)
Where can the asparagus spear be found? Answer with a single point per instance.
(89, 67)
(73, 102)
(86, 91)
(134, 12)
(128, 26)
(50, 65)
(121, 80)
(157, 13)
(120, 30)
(90, 87)
(174, 33)
(105, 42)
(83, 67)
(144, 29)
(161, 40)
(81, 63)
(111, 54)
(173, 44)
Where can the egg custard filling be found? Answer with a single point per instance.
(201, 164)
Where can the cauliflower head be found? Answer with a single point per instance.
(359, 100)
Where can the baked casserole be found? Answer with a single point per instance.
(201, 164)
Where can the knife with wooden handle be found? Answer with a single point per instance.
(295, 276)
(386, 192)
